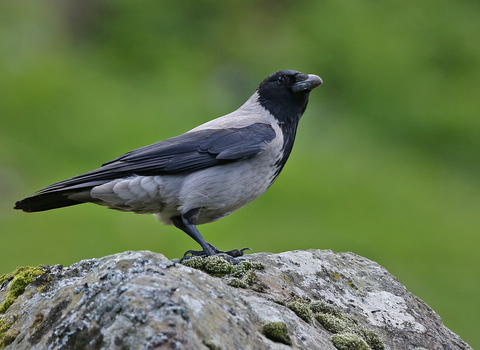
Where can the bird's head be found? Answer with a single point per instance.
(285, 93)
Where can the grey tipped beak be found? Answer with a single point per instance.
(309, 84)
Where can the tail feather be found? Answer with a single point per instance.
(46, 201)
(57, 195)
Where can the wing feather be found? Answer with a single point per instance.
(189, 152)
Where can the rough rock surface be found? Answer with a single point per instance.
(142, 300)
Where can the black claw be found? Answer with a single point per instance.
(194, 253)
(191, 253)
(235, 253)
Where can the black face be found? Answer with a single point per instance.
(282, 81)
(285, 94)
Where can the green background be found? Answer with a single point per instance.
(386, 162)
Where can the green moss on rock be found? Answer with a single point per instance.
(22, 278)
(217, 266)
(276, 331)
(8, 276)
(242, 275)
(237, 283)
(211, 345)
(349, 341)
(336, 321)
(301, 308)
(245, 267)
(320, 306)
(373, 339)
(333, 323)
(195, 262)
(250, 277)
(7, 336)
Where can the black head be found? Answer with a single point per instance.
(285, 94)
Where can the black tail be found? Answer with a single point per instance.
(57, 195)
(45, 201)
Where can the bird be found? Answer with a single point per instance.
(202, 175)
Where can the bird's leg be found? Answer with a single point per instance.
(186, 223)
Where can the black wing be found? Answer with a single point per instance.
(189, 152)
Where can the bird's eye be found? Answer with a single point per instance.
(281, 80)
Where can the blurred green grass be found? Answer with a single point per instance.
(386, 162)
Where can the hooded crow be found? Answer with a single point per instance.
(200, 176)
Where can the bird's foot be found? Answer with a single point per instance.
(230, 255)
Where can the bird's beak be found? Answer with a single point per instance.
(310, 83)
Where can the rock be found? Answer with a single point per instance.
(313, 299)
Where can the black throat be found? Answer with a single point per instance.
(287, 112)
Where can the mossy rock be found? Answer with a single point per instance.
(242, 275)
(301, 308)
(349, 341)
(276, 331)
(22, 277)
(7, 336)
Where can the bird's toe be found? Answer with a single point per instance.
(235, 253)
